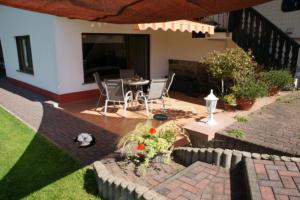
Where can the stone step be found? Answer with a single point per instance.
(267, 179)
(202, 181)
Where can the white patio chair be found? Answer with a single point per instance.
(155, 92)
(115, 93)
(126, 73)
(100, 87)
(168, 84)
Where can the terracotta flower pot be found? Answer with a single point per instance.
(273, 91)
(244, 104)
(228, 107)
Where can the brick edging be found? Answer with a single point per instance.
(222, 157)
(251, 181)
(112, 187)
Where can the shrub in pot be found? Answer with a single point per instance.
(247, 91)
(230, 66)
(277, 80)
(229, 102)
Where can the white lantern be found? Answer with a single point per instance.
(211, 104)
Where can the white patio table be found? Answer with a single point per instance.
(136, 85)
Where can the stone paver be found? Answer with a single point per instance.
(56, 125)
(202, 181)
(275, 179)
(275, 126)
(155, 175)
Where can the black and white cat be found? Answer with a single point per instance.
(85, 140)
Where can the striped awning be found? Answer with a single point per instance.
(179, 25)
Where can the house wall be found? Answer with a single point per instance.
(163, 46)
(40, 28)
(283, 20)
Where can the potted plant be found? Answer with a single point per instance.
(247, 91)
(277, 80)
(146, 144)
(229, 102)
(230, 66)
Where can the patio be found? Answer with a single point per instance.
(180, 108)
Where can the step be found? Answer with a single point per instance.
(202, 181)
(268, 179)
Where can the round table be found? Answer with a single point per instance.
(137, 83)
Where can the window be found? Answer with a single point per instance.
(24, 54)
(108, 53)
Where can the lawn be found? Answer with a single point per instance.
(32, 168)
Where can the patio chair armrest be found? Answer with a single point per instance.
(129, 95)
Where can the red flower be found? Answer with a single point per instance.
(141, 146)
(152, 131)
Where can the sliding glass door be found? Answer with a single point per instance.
(108, 53)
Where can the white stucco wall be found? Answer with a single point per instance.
(163, 46)
(284, 20)
(40, 28)
(56, 46)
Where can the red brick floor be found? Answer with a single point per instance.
(198, 181)
(56, 125)
(277, 179)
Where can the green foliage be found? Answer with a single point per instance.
(229, 99)
(158, 142)
(237, 133)
(32, 168)
(249, 89)
(233, 63)
(279, 79)
(241, 119)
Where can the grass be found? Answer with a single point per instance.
(241, 119)
(32, 168)
(237, 133)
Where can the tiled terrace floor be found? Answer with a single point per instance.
(181, 108)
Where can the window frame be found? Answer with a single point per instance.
(27, 57)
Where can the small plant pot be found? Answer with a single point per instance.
(273, 91)
(228, 107)
(244, 104)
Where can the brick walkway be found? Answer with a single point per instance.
(198, 181)
(275, 126)
(272, 180)
(155, 175)
(56, 125)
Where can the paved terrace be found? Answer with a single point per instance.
(56, 125)
(275, 126)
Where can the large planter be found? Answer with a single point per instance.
(273, 91)
(244, 104)
(228, 107)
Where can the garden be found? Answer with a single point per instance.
(240, 80)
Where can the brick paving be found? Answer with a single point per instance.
(275, 179)
(202, 181)
(198, 181)
(275, 126)
(56, 125)
(158, 173)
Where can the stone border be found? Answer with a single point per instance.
(251, 180)
(225, 141)
(111, 187)
(222, 157)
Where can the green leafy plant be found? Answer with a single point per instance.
(277, 79)
(249, 89)
(237, 133)
(145, 143)
(233, 64)
(241, 119)
(229, 99)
